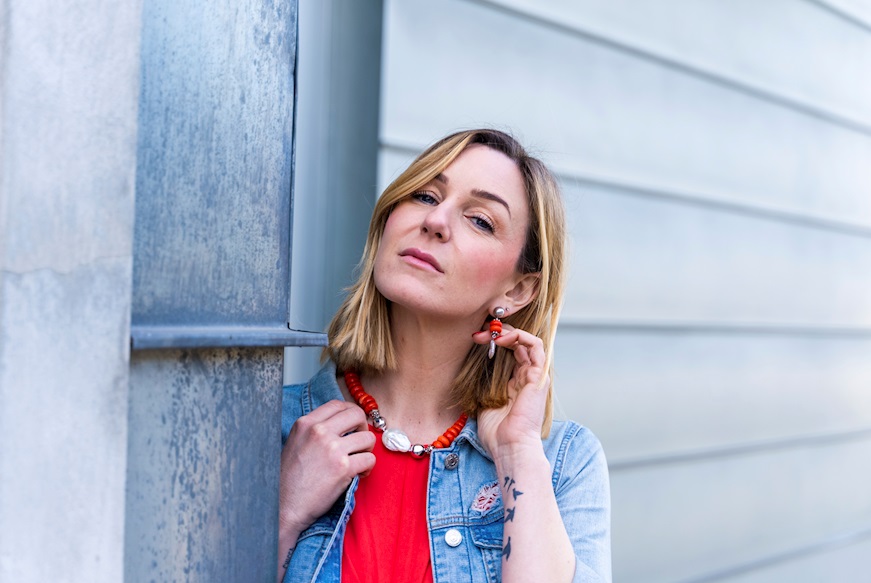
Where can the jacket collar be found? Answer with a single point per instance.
(470, 434)
(321, 388)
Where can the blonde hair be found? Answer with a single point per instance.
(359, 335)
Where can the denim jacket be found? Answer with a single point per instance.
(580, 482)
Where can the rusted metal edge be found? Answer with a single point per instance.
(155, 337)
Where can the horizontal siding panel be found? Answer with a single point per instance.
(641, 259)
(679, 522)
(858, 10)
(789, 48)
(638, 258)
(848, 564)
(605, 113)
(659, 394)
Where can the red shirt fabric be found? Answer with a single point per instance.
(387, 537)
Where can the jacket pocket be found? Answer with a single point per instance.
(486, 535)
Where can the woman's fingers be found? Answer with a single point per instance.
(357, 442)
(351, 419)
(337, 426)
(521, 354)
(333, 418)
(361, 463)
(327, 410)
(331, 409)
(350, 455)
(528, 348)
(324, 451)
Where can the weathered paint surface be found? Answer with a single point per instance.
(210, 251)
(215, 162)
(204, 448)
(68, 108)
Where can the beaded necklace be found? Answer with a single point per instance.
(395, 439)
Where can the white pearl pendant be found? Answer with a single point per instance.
(396, 440)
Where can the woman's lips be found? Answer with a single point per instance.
(423, 257)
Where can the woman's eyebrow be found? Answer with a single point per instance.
(490, 196)
(440, 177)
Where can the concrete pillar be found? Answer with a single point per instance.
(68, 118)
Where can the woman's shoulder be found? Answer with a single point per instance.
(573, 450)
(564, 432)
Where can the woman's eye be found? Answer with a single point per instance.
(483, 223)
(424, 197)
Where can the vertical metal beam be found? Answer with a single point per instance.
(204, 445)
(211, 254)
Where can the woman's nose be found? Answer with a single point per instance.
(437, 222)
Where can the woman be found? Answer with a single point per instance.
(461, 475)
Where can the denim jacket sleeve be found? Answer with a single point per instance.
(582, 489)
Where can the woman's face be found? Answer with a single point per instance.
(452, 247)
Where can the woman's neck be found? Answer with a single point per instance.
(415, 397)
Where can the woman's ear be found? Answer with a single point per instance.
(523, 292)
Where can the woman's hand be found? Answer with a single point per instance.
(536, 546)
(519, 422)
(322, 454)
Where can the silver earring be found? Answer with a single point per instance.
(495, 330)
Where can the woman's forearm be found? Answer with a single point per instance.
(287, 537)
(536, 546)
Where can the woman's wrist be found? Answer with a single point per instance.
(289, 528)
(520, 453)
(287, 537)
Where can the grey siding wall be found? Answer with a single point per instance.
(68, 92)
(715, 335)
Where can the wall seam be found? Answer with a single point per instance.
(64, 271)
(842, 13)
(596, 325)
(828, 544)
(740, 450)
(710, 75)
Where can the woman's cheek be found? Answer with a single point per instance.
(380, 274)
(493, 269)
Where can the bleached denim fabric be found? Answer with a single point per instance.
(580, 481)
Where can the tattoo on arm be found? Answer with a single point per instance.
(509, 485)
(287, 559)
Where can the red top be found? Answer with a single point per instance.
(387, 537)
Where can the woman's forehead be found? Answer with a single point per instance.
(482, 168)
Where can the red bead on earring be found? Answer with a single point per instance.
(495, 330)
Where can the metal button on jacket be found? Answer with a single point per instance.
(453, 537)
(452, 460)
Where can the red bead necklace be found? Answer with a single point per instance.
(394, 439)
